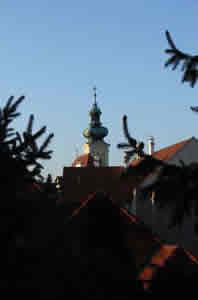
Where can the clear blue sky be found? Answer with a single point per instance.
(54, 52)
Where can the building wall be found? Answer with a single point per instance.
(79, 183)
(99, 148)
(159, 220)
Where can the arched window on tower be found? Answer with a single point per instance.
(97, 160)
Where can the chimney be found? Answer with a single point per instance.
(151, 145)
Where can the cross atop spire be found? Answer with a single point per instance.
(94, 89)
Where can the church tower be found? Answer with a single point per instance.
(95, 134)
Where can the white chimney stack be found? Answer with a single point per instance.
(151, 145)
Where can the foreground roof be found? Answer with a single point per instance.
(170, 262)
(155, 260)
(79, 183)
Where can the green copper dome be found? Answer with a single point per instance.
(95, 133)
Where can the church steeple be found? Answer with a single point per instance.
(95, 131)
(95, 134)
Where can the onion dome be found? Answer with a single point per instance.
(97, 133)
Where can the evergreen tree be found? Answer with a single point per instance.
(20, 153)
(50, 188)
(25, 220)
(49, 179)
(189, 62)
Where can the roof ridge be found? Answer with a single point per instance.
(175, 144)
(168, 152)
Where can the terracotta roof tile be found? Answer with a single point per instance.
(161, 254)
(132, 219)
(166, 153)
(136, 161)
(159, 260)
(139, 231)
(83, 204)
(85, 160)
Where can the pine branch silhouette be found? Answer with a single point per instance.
(190, 62)
(194, 109)
(133, 145)
(22, 149)
(30, 125)
(7, 115)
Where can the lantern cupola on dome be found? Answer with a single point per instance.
(95, 131)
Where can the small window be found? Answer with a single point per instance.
(79, 164)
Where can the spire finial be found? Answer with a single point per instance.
(94, 89)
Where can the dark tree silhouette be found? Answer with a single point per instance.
(50, 188)
(25, 215)
(189, 62)
(18, 149)
(136, 148)
(194, 108)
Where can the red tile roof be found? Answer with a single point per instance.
(85, 160)
(167, 253)
(132, 219)
(158, 260)
(83, 204)
(136, 161)
(161, 253)
(166, 153)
